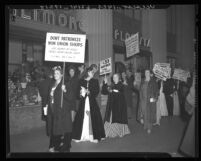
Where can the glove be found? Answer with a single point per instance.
(152, 100)
(114, 90)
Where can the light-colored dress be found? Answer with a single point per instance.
(161, 105)
(86, 130)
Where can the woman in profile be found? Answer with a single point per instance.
(116, 121)
(88, 124)
(161, 106)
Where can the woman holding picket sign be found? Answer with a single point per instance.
(115, 121)
(59, 116)
(88, 123)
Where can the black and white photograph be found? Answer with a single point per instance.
(105, 79)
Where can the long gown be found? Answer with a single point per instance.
(161, 104)
(116, 122)
(88, 123)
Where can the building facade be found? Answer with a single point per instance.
(27, 33)
(165, 34)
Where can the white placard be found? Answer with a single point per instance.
(106, 66)
(132, 45)
(181, 74)
(65, 47)
(162, 71)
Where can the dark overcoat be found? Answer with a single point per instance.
(43, 88)
(151, 91)
(116, 104)
(73, 83)
(59, 119)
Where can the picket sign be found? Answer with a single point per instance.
(162, 70)
(61, 47)
(106, 66)
(132, 45)
(181, 75)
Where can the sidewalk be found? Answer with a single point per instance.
(164, 138)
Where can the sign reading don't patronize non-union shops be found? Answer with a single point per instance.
(132, 45)
(65, 47)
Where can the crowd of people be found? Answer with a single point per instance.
(71, 106)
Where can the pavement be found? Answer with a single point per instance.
(164, 138)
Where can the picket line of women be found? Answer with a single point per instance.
(78, 116)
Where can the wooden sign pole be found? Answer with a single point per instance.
(62, 84)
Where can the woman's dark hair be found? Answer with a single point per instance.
(93, 66)
(81, 65)
(71, 67)
(88, 70)
(58, 68)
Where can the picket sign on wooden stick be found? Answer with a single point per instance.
(62, 84)
(61, 47)
(162, 70)
(181, 74)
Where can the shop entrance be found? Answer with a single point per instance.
(137, 63)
